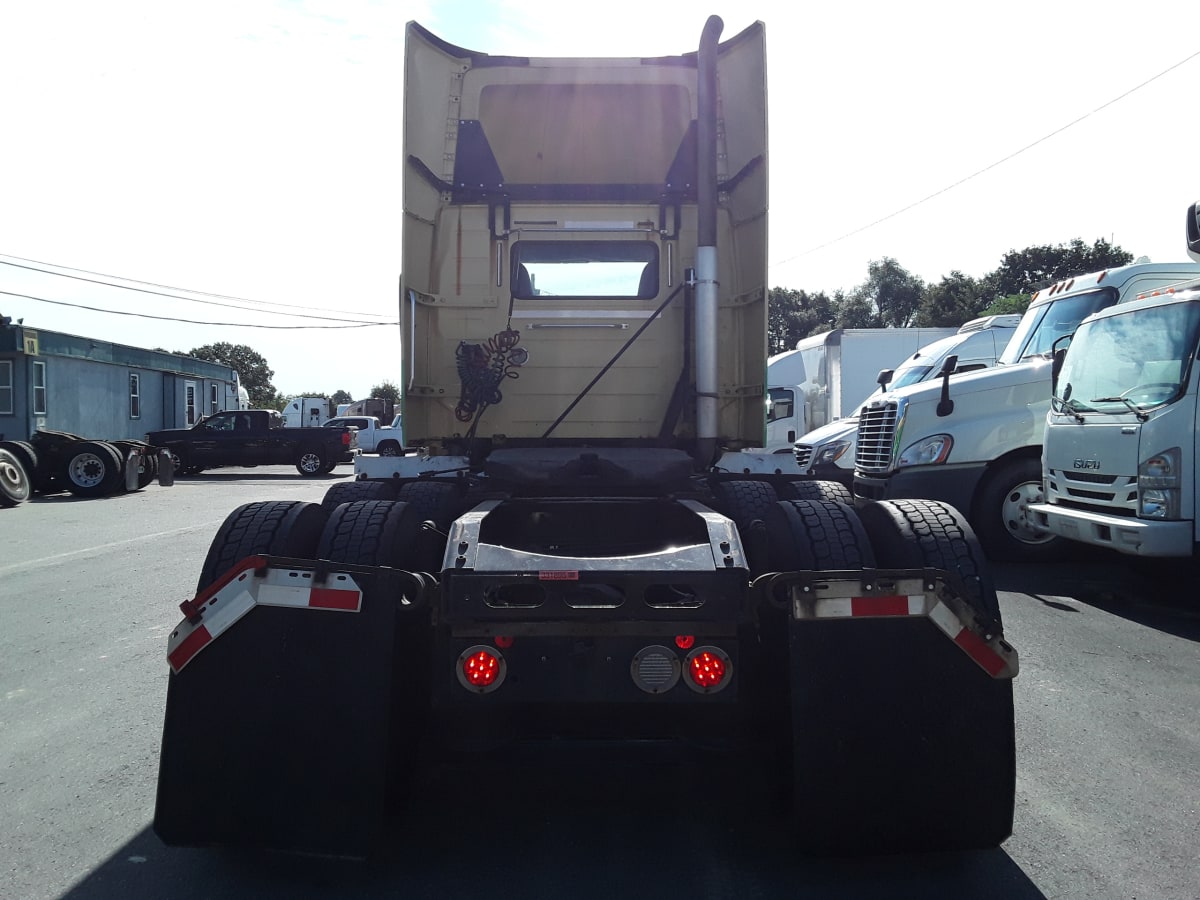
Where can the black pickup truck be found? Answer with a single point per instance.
(254, 437)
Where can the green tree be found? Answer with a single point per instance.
(253, 371)
(1011, 303)
(1034, 268)
(792, 315)
(891, 291)
(387, 390)
(339, 397)
(952, 301)
(855, 310)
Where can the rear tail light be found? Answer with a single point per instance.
(709, 669)
(481, 669)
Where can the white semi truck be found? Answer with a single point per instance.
(555, 566)
(828, 375)
(828, 452)
(1119, 461)
(975, 440)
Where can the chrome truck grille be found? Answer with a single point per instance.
(803, 455)
(878, 424)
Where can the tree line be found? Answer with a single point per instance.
(892, 297)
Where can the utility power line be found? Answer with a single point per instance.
(987, 168)
(115, 312)
(150, 284)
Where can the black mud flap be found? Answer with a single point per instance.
(278, 734)
(902, 742)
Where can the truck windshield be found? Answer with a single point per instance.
(1136, 360)
(1041, 326)
(906, 375)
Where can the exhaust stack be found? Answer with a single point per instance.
(706, 250)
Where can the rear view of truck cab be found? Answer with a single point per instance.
(554, 560)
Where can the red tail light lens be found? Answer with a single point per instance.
(709, 669)
(481, 669)
(685, 641)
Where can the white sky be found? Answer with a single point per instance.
(252, 147)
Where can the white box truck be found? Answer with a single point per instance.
(1119, 461)
(828, 376)
(828, 452)
(975, 440)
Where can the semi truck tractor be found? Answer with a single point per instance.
(828, 375)
(554, 569)
(974, 440)
(1119, 461)
(828, 452)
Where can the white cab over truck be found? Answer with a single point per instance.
(557, 572)
(1119, 461)
(307, 412)
(975, 440)
(828, 452)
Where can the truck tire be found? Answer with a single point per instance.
(1002, 520)
(388, 448)
(311, 461)
(371, 533)
(147, 469)
(436, 502)
(350, 491)
(816, 535)
(28, 457)
(886, 712)
(273, 527)
(817, 490)
(179, 459)
(93, 469)
(15, 486)
(747, 502)
(915, 534)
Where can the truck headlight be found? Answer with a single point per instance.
(1158, 485)
(927, 451)
(831, 453)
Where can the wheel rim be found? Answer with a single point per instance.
(13, 480)
(87, 470)
(310, 462)
(1015, 514)
(388, 450)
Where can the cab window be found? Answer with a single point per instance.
(610, 269)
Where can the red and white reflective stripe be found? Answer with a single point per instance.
(251, 586)
(853, 607)
(971, 643)
(992, 655)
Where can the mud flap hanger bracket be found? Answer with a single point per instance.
(880, 593)
(295, 583)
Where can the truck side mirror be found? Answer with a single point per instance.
(945, 404)
(1059, 354)
(885, 377)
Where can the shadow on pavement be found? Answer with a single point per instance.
(660, 832)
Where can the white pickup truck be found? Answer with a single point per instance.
(373, 436)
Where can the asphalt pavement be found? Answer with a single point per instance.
(1108, 805)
